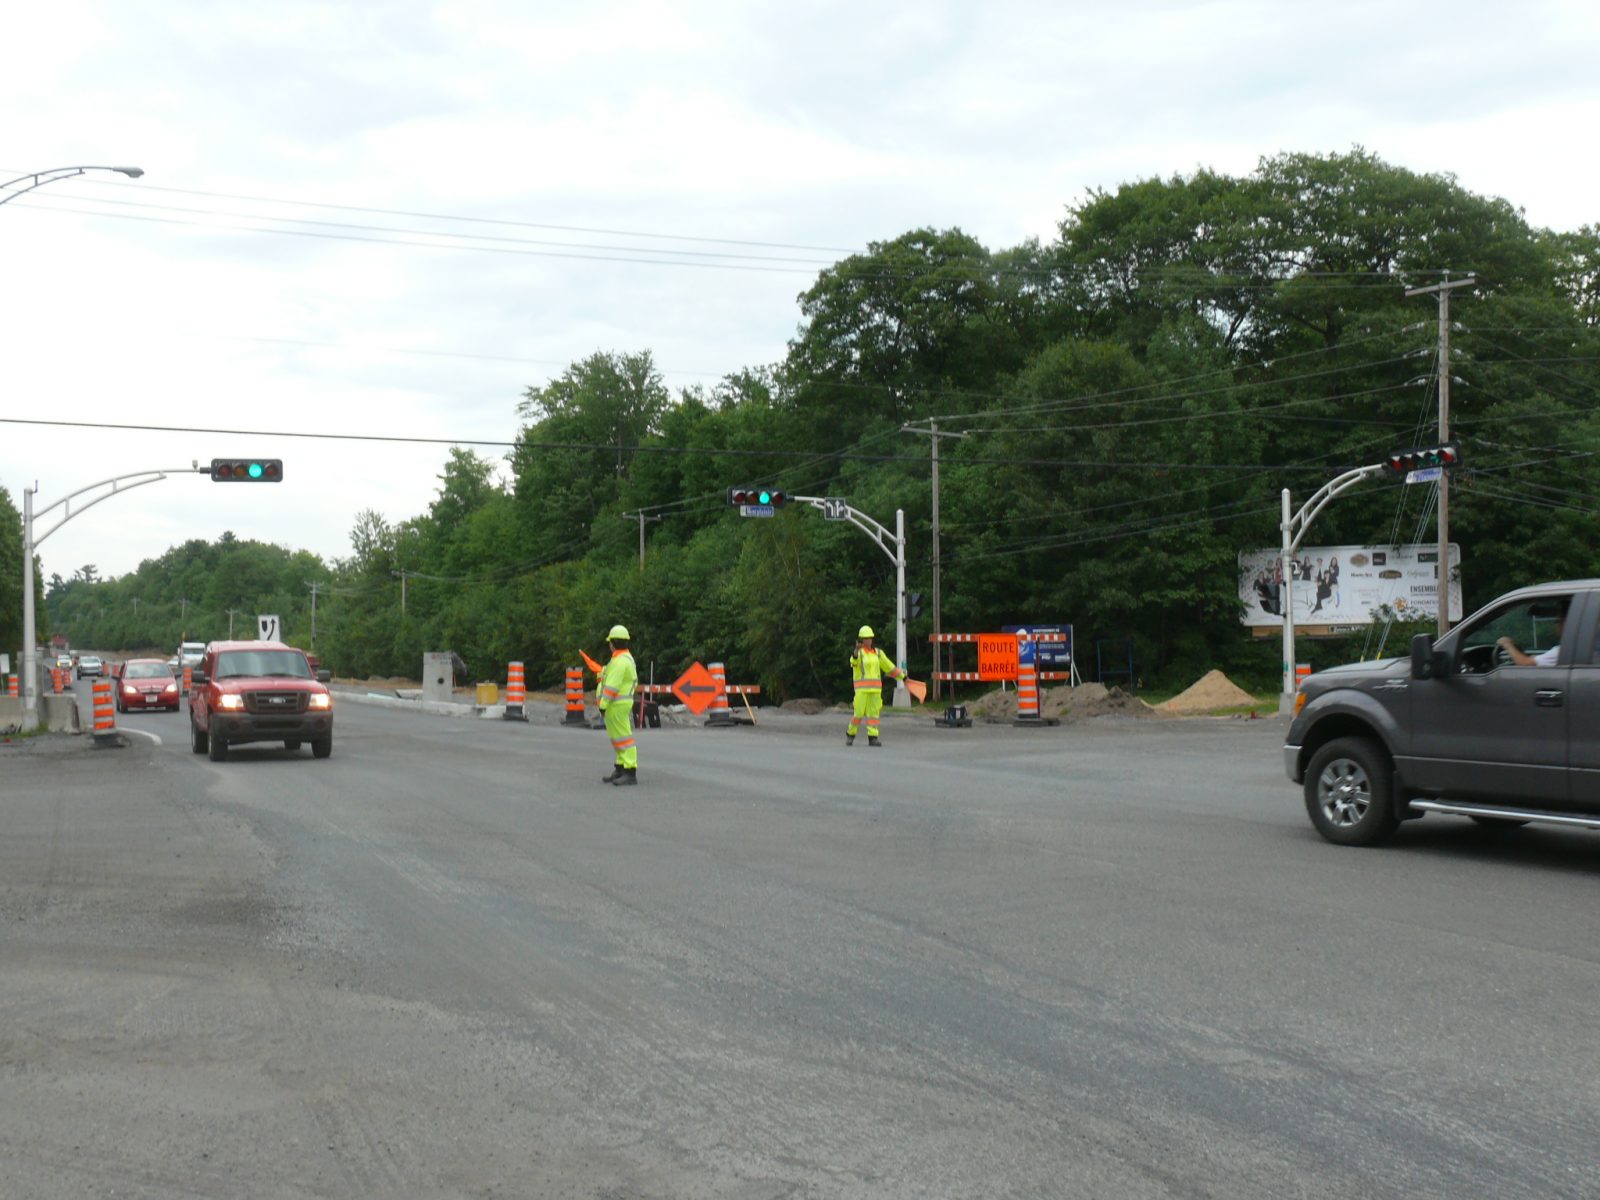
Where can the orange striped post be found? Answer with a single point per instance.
(12, 688)
(574, 697)
(55, 680)
(720, 714)
(188, 681)
(516, 693)
(1027, 693)
(105, 714)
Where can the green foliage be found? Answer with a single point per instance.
(1135, 394)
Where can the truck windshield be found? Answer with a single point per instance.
(233, 663)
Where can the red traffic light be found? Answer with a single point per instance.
(1445, 454)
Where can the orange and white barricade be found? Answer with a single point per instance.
(55, 680)
(574, 697)
(105, 713)
(1027, 692)
(12, 688)
(516, 693)
(720, 713)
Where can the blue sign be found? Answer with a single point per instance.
(757, 510)
(1047, 656)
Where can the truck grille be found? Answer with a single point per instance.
(275, 704)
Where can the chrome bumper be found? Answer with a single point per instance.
(1291, 763)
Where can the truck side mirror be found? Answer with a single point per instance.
(198, 678)
(324, 676)
(1426, 663)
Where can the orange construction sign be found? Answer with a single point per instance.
(997, 656)
(696, 689)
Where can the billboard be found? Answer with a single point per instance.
(1344, 585)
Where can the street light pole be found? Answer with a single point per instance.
(39, 178)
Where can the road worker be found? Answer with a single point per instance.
(613, 693)
(868, 666)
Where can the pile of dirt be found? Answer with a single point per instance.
(1210, 692)
(1064, 703)
(805, 707)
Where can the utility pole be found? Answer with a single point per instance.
(1444, 289)
(313, 588)
(183, 611)
(402, 575)
(933, 435)
(642, 517)
(232, 613)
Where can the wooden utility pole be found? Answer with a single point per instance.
(1443, 291)
(642, 518)
(933, 435)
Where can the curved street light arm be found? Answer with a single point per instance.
(40, 178)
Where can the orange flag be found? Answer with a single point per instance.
(593, 666)
(918, 689)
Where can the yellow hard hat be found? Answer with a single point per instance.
(865, 632)
(619, 633)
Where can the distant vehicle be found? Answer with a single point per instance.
(90, 664)
(146, 683)
(258, 692)
(64, 662)
(190, 654)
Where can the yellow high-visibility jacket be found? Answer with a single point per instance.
(868, 667)
(617, 682)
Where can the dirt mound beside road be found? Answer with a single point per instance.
(1211, 691)
(806, 707)
(1064, 703)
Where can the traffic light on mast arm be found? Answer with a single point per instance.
(1445, 454)
(776, 497)
(247, 470)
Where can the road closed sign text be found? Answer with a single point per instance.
(997, 656)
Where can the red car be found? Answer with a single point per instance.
(144, 683)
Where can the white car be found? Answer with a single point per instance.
(90, 664)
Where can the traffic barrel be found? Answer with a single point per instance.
(105, 714)
(516, 693)
(1027, 692)
(574, 697)
(720, 714)
(12, 688)
(55, 680)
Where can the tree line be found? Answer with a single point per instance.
(1134, 394)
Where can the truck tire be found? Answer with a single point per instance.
(217, 751)
(322, 747)
(1349, 792)
(197, 740)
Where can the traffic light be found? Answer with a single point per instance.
(1445, 454)
(246, 470)
(913, 605)
(775, 497)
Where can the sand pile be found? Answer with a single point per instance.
(1212, 691)
(805, 707)
(1064, 703)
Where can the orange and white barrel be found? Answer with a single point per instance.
(574, 696)
(55, 680)
(105, 713)
(1027, 692)
(516, 693)
(12, 688)
(720, 713)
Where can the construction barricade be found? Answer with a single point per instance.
(517, 692)
(12, 689)
(105, 715)
(720, 713)
(574, 697)
(56, 681)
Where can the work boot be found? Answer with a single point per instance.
(616, 772)
(849, 739)
(872, 741)
(626, 777)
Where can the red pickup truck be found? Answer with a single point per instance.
(258, 692)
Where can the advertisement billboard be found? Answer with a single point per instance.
(1347, 585)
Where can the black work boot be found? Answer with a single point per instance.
(612, 778)
(872, 741)
(626, 777)
(849, 739)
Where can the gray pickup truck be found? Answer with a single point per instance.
(1498, 721)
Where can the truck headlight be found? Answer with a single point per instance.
(320, 700)
(231, 703)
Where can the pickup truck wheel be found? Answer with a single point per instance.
(1499, 822)
(1350, 792)
(197, 739)
(322, 747)
(217, 751)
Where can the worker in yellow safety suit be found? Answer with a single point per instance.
(868, 666)
(613, 693)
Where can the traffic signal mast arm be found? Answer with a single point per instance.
(118, 483)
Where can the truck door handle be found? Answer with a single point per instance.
(1548, 698)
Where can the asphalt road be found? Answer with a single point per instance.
(1105, 960)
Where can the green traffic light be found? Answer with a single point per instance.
(766, 497)
(255, 470)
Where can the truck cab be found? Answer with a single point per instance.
(1499, 720)
(258, 692)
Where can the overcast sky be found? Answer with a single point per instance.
(670, 177)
